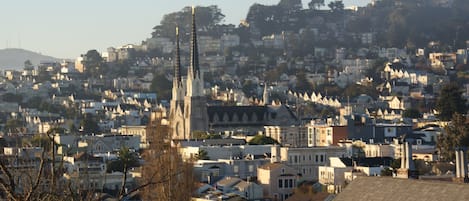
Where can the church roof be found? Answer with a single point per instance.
(260, 111)
(387, 188)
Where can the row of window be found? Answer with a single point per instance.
(294, 159)
(286, 183)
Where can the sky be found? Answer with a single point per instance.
(67, 29)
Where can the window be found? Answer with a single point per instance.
(316, 158)
(290, 183)
(251, 168)
(280, 183)
(235, 169)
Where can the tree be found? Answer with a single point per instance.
(207, 18)
(161, 86)
(315, 4)
(28, 64)
(202, 155)
(261, 140)
(93, 63)
(336, 6)
(165, 176)
(89, 124)
(302, 84)
(412, 113)
(290, 5)
(450, 101)
(27, 178)
(12, 98)
(456, 135)
(127, 159)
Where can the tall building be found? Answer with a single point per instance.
(188, 110)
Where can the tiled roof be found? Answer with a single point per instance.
(387, 188)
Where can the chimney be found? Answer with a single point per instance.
(407, 169)
(461, 165)
(275, 154)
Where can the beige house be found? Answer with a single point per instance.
(288, 135)
(333, 177)
(85, 171)
(277, 180)
(136, 130)
(306, 160)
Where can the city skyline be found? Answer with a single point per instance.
(63, 30)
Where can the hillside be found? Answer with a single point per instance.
(12, 58)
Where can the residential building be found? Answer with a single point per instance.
(294, 136)
(306, 160)
(277, 180)
(245, 189)
(138, 131)
(323, 134)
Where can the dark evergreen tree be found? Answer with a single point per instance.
(456, 135)
(450, 101)
(261, 140)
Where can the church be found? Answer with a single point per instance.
(189, 110)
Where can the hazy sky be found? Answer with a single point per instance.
(66, 29)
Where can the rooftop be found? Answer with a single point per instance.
(387, 188)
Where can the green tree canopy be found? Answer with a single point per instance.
(161, 86)
(336, 6)
(302, 84)
(89, 124)
(456, 135)
(412, 113)
(12, 98)
(261, 140)
(126, 159)
(450, 101)
(93, 63)
(207, 18)
(202, 155)
(315, 4)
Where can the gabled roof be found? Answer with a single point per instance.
(387, 188)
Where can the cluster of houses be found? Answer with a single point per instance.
(98, 117)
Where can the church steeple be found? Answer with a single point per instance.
(176, 112)
(194, 70)
(178, 87)
(265, 95)
(177, 63)
(195, 103)
(195, 83)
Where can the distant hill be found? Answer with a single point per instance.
(12, 58)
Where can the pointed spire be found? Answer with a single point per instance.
(194, 70)
(265, 95)
(177, 64)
